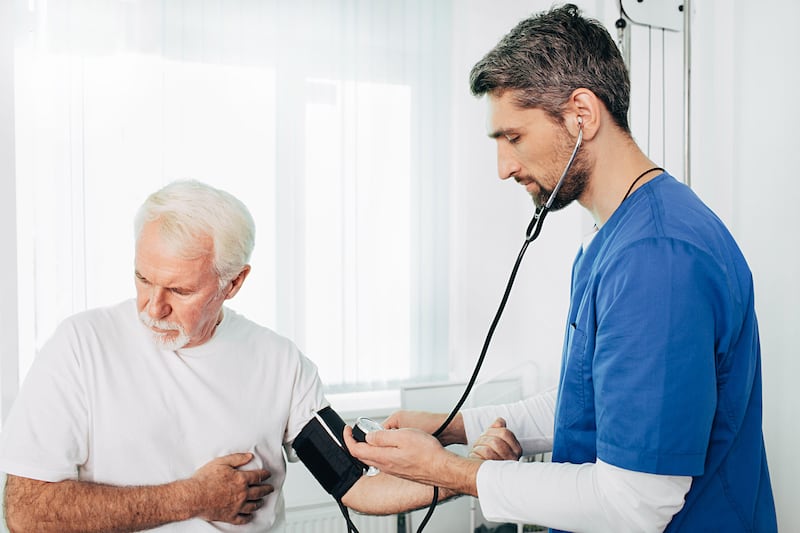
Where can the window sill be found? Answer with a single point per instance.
(373, 404)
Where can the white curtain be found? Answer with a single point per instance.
(328, 118)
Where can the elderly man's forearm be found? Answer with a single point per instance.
(77, 506)
(384, 494)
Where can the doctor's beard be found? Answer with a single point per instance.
(575, 182)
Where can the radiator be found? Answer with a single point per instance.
(327, 518)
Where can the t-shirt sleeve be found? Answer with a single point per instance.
(307, 396)
(654, 366)
(46, 434)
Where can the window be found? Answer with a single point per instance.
(328, 119)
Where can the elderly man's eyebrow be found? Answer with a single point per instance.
(177, 289)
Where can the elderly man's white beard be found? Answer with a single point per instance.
(174, 337)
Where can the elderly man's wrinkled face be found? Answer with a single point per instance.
(178, 298)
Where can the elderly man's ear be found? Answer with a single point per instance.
(236, 283)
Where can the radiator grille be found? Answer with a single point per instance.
(327, 518)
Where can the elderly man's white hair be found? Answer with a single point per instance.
(189, 210)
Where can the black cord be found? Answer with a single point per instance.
(640, 176)
(351, 527)
(488, 339)
(431, 509)
(533, 230)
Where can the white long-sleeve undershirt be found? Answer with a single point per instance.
(594, 497)
(532, 421)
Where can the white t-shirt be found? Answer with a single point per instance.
(102, 402)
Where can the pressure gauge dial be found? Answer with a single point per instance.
(363, 426)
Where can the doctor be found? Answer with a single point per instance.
(656, 422)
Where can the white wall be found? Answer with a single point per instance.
(488, 221)
(8, 237)
(745, 65)
(8, 270)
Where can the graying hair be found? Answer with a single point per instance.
(189, 210)
(549, 55)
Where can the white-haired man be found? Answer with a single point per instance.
(169, 411)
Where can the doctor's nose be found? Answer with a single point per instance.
(507, 166)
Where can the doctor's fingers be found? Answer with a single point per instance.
(403, 438)
(483, 453)
(359, 450)
(499, 422)
(493, 453)
(395, 420)
(390, 448)
(498, 443)
(424, 420)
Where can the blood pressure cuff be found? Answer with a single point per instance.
(320, 446)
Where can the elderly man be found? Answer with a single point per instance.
(170, 411)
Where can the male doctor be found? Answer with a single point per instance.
(656, 422)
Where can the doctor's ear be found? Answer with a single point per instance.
(584, 106)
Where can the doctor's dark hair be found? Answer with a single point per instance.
(189, 211)
(549, 55)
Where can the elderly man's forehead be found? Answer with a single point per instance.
(193, 242)
(156, 245)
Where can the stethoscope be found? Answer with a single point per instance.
(531, 233)
(538, 217)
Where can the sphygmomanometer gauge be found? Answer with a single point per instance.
(363, 426)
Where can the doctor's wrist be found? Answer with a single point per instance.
(454, 433)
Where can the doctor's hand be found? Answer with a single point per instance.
(497, 443)
(429, 422)
(415, 455)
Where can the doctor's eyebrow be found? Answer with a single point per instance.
(502, 133)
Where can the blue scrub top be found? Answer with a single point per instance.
(661, 370)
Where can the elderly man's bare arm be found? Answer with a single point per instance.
(218, 491)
